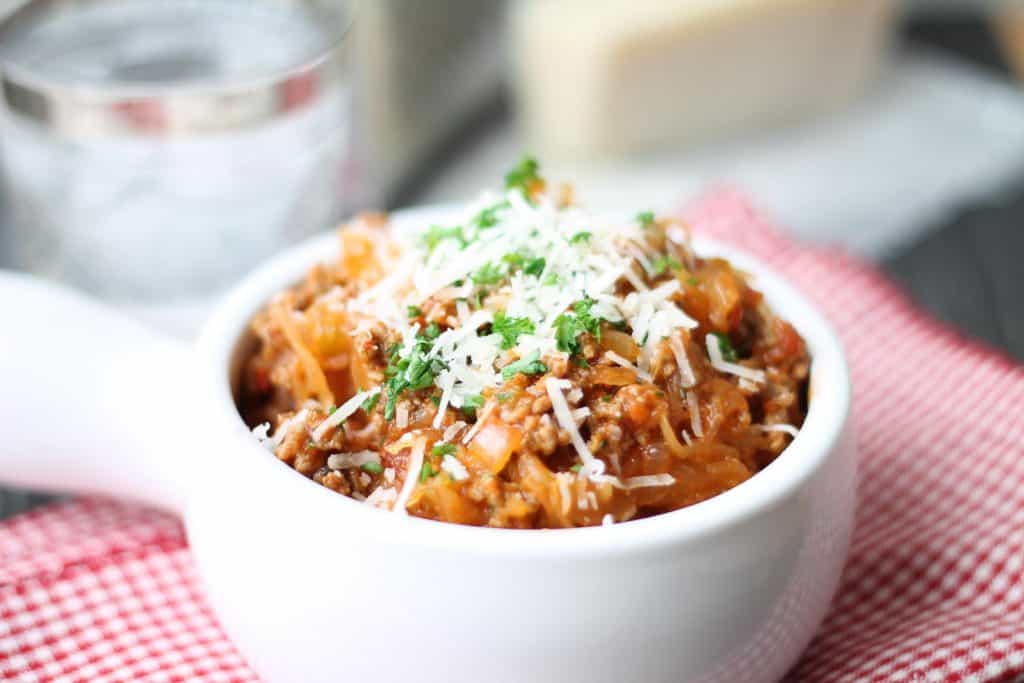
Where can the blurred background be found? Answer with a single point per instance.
(153, 151)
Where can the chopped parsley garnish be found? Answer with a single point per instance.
(692, 281)
(581, 237)
(534, 266)
(645, 219)
(432, 332)
(725, 346)
(607, 398)
(370, 403)
(437, 234)
(413, 311)
(510, 328)
(504, 396)
(523, 176)
(488, 274)
(488, 217)
(576, 468)
(663, 263)
(530, 265)
(569, 326)
(471, 403)
(531, 365)
(372, 467)
(442, 449)
(413, 372)
(551, 280)
(427, 472)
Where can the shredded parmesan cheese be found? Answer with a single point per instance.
(686, 375)
(719, 363)
(591, 465)
(693, 405)
(786, 428)
(648, 481)
(344, 461)
(346, 410)
(619, 360)
(412, 475)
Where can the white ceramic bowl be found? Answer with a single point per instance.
(313, 586)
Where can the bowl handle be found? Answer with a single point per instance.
(90, 401)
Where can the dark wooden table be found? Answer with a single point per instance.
(968, 271)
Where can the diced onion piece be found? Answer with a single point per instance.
(719, 363)
(346, 410)
(454, 467)
(591, 465)
(613, 376)
(488, 409)
(402, 415)
(621, 343)
(493, 445)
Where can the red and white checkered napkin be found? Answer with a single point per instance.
(100, 591)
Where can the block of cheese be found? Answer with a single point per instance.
(606, 78)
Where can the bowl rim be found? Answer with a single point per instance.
(785, 477)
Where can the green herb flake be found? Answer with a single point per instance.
(645, 219)
(510, 328)
(523, 175)
(372, 467)
(607, 398)
(551, 280)
(470, 404)
(504, 396)
(663, 263)
(442, 449)
(413, 311)
(413, 372)
(692, 281)
(432, 332)
(725, 346)
(531, 365)
(576, 468)
(569, 326)
(433, 237)
(488, 274)
(370, 403)
(427, 472)
(488, 217)
(580, 237)
(534, 266)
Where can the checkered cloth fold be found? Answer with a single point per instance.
(100, 591)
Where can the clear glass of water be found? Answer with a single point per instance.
(155, 150)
